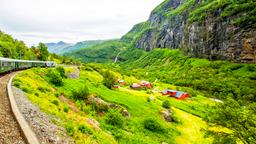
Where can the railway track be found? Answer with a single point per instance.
(10, 132)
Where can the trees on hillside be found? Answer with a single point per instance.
(12, 48)
(43, 52)
(239, 116)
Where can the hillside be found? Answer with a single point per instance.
(101, 53)
(12, 48)
(213, 29)
(59, 47)
(62, 47)
(93, 113)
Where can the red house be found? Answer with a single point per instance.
(116, 86)
(135, 86)
(146, 84)
(177, 94)
(122, 82)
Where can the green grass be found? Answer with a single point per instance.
(134, 101)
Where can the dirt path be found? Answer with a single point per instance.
(9, 130)
(190, 129)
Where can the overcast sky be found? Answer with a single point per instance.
(71, 21)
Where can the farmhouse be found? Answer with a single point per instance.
(135, 86)
(122, 82)
(177, 94)
(146, 84)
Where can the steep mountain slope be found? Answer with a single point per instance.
(214, 29)
(62, 47)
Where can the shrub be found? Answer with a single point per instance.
(61, 70)
(84, 129)
(70, 129)
(16, 84)
(153, 125)
(100, 107)
(66, 108)
(57, 94)
(81, 94)
(55, 77)
(166, 104)
(25, 89)
(109, 79)
(55, 102)
(41, 89)
(115, 118)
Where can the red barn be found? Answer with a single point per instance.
(177, 94)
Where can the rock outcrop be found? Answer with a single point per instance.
(213, 30)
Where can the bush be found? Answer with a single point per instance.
(55, 77)
(61, 70)
(66, 108)
(55, 102)
(153, 125)
(100, 107)
(25, 89)
(81, 94)
(16, 84)
(115, 118)
(70, 129)
(41, 89)
(109, 79)
(166, 104)
(84, 129)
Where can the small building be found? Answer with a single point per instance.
(116, 86)
(146, 84)
(177, 94)
(122, 82)
(135, 86)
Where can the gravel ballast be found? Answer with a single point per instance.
(40, 123)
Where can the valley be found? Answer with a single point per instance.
(186, 75)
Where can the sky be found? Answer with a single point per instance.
(34, 21)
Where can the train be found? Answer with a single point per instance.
(8, 65)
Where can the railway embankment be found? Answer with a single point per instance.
(10, 130)
(40, 122)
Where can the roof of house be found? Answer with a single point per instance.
(135, 85)
(178, 94)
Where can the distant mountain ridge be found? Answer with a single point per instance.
(63, 47)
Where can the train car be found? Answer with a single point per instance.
(7, 65)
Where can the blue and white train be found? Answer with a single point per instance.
(7, 65)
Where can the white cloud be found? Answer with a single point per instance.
(71, 20)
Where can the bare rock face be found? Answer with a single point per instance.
(211, 38)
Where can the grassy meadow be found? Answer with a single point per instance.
(187, 125)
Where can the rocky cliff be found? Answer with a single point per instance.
(214, 29)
